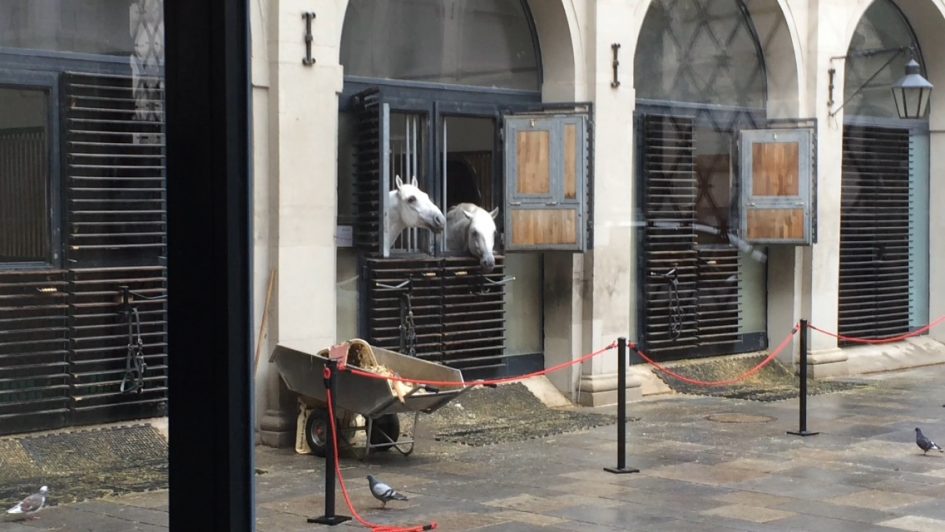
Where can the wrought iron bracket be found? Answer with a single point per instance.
(615, 63)
(308, 60)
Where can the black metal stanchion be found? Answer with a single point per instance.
(802, 390)
(330, 518)
(621, 411)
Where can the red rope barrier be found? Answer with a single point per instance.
(709, 384)
(887, 340)
(488, 382)
(344, 490)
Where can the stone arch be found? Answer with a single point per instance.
(777, 34)
(561, 50)
(560, 47)
(927, 19)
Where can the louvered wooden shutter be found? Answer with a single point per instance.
(114, 236)
(114, 164)
(371, 172)
(669, 194)
(874, 232)
(459, 315)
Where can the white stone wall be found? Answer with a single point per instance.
(589, 299)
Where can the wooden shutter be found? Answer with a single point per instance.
(115, 235)
(114, 164)
(669, 240)
(874, 232)
(371, 172)
(776, 173)
(546, 169)
(459, 312)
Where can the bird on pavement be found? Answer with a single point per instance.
(28, 507)
(924, 443)
(383, 492)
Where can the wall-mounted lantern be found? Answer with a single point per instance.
(912, 92)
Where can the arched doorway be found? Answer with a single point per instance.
(702, 88)
(884, 229)
(441, 90)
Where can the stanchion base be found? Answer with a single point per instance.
(330, 521)
(621, 470)
(802, 433)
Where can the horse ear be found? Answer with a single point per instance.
(413, 181)
(467, 214)
(398, 181)
(494, 212)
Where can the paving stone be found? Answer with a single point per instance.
(704, 474)
(530, 518)
(882, 500)
(835, 511)
(915, 523)
(755, 514)
(751, 498)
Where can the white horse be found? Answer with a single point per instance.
(408, 206)
(472, 228)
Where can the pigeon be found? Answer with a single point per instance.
(29, 506)
(383, 492)
(924, 443)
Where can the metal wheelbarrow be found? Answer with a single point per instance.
(376, 400)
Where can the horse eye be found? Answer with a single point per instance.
(412, 199)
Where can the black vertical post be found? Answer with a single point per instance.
(621, 410)
(209, 266)
(331, 366)
(802, 389)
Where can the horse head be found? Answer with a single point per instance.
(480, 233)
(413, 208)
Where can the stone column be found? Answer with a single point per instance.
(822, 260)
(608, 269)
(303, 140)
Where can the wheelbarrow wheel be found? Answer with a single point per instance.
(388, 424)
(317, 431)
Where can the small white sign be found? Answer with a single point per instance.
(344, 236)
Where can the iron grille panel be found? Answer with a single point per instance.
(459, 315)
(669, 323)
(34, 350)
(719, 300)
(874, 294)
(99, 337)
(114, 172)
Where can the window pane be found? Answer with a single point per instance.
(486, 43)
(24, 176)
(699, 51)
(881, 32)
(88, 26)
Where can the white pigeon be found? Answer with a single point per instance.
(26, 508)
(383, 492)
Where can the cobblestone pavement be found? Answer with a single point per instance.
(706, 463)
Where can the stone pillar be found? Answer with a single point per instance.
(303, 121)
(822, 260)
(609, 267)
